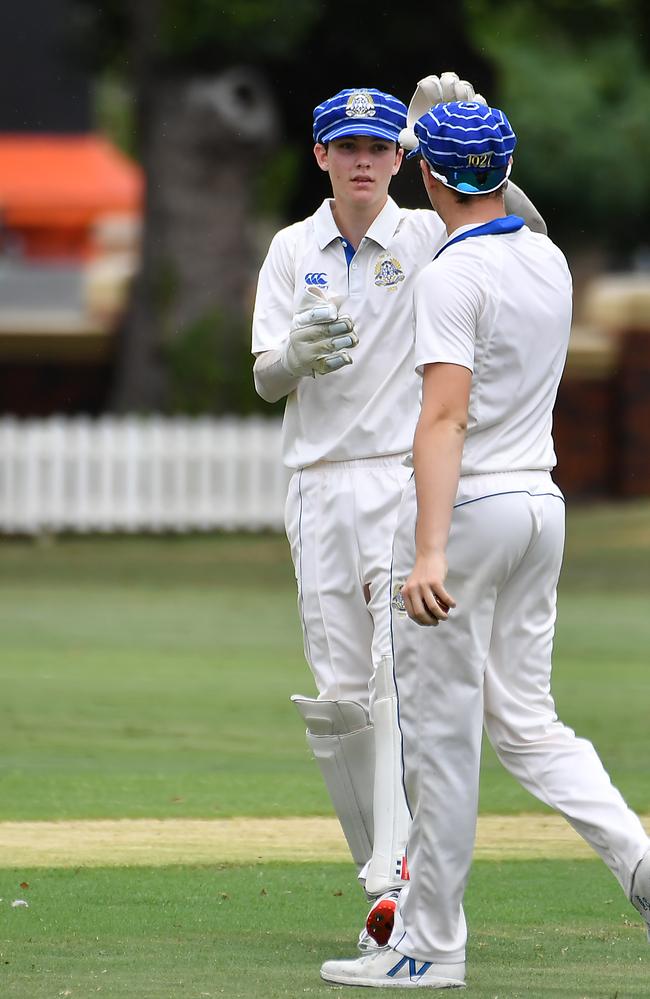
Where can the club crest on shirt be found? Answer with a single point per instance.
(360, 105)
(388, 271)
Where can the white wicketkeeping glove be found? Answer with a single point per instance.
(318, 341)
(435, 90)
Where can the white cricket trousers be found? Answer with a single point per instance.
(490, 664)
(340, 518)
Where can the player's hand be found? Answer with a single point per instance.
(425, 597)
(319, 341)
(435, 90)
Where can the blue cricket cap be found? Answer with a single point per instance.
(359, 112)
(467, 145)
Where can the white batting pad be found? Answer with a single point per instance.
(341, 738)
(387, 868)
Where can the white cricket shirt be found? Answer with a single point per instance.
(500, 305)
(369, 408)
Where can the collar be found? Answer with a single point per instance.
(497, 227)
(381, 231)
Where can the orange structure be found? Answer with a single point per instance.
(54, 189)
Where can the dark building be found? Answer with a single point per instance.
(44, 86)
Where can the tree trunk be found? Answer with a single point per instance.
(201, 143)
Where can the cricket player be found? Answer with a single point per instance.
(477, 553)
(333, 332)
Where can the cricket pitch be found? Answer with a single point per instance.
(158, 842)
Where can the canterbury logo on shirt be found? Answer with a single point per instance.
(317, 279)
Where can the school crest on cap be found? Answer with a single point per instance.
(360, 105)
(359, 111)
(388, 271)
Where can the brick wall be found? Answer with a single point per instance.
(602, 421)
(631, 458)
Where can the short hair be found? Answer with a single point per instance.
(464, 199)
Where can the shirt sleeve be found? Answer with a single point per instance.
(449, 300)
(274, 298)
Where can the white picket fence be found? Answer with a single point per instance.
(140, 474)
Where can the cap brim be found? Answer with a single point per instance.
(464, 183)
(358, 127)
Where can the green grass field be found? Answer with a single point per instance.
(144, 677)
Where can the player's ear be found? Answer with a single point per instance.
(399, 158)
(320, 152)
(429, 181)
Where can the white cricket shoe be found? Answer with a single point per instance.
(640, 897)
(387, 969)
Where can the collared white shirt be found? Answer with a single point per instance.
(370, 407)
(500, 305)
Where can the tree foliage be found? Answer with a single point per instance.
(574, 79)
(306, 49)
(207, 33)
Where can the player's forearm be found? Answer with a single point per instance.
(518, 203)
(272, 380)
(437, 453)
